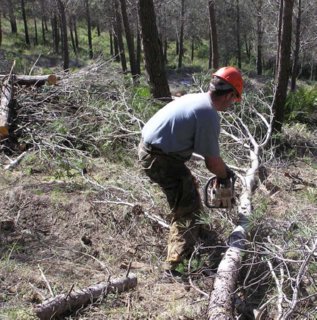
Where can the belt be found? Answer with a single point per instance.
(152, 147)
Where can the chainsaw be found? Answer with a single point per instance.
(219, 195)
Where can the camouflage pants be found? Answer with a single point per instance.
(180, 188)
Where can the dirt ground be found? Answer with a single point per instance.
(59, 234)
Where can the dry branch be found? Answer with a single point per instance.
(34, 80)
(220, 304)
(6, 99)
(221, 298)
(66, 303)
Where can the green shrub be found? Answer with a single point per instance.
(301, 105)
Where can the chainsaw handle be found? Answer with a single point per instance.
(207, 204)
(211, 181)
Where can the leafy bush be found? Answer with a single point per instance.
(301, 105)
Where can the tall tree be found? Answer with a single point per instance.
(279, 35)
(63, 24)
(259, 32)
(283, 65)
(118, 35)
(129, 39)
(13, 22)
(91, 54)
(153, 54)
(238, 34)
(25, 22)
(214, 35)
(181, 35)
(0, 27)
(297, 46)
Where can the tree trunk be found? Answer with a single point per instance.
(26, 30)
(36, 42)
(43, 22)
(13, 21)
(0, 27)
(55, 34)
(214, 36)
(296, 49)
(153, 55)
(220, 303)
(118, 34)
(279, 32)
(130, 40)
(210, 51)
(259, 32)
(181, 35)
(43, 31)
(111, 43)
(65, 303)
(238, 35)
(6, 100)
(72, 38)
(192, 49)
(33, 80)
(62, 13)
(283, 65)
(138, 48)
(91, 54)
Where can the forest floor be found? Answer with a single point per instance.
(63, 228)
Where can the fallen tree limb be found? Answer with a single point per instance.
(34, 80)
(6, 100)
(221, 298)
(66, 303)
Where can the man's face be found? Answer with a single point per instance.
(228, 101)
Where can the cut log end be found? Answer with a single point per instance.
(52, 79)
(4, 132)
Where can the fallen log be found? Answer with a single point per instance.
(37, 80)
(6, 100)
(221, 298)
(220, 302)
(67, 303)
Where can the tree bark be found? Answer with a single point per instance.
(12, 17)
(297, 46)
(220, 303)
(259, 32)
(238, 35)
(62, 13)
(214, 36)
(6, 100)
(129, 38)
(26, 30)
(55, 33)
(65, 303)
(35, 33)
(33, 80)
(91, 54)
(118, 35)
(153, 54)
(283, 65)
(181, 35)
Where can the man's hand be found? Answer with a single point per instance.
(230, 173)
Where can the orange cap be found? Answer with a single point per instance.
(232, 76)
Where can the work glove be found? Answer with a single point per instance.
(230, 173)
(222, 194)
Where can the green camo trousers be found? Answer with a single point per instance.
(180, 188)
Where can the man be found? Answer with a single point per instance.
(186, 125)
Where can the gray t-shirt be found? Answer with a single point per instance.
(187, 124)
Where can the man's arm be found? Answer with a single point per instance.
(216, 166)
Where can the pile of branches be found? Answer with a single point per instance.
(86, 114)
